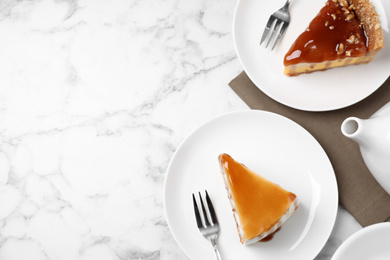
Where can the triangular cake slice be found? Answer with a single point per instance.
(343, 33)
(259, 206)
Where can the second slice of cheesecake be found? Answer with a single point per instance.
(260, 207)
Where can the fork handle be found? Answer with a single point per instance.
(217, 253)
(214, 243)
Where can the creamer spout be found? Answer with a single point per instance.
(352, 127)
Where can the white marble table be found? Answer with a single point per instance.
(95, 96)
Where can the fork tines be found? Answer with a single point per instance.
(206, 221)
(276, 25)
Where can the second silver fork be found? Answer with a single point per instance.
(277, 23)
(209, 226)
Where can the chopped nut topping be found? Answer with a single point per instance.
(333, 16)
(331, 27)
(340, 48)
(343, 2)
(346, 11)
(348, 52)
(350, 17)
(351, 39)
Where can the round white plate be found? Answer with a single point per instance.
(371, 242)
(271, 145)
(318, 91)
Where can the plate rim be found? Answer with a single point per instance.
(227, 114)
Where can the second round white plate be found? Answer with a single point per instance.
(271, 145)
(318, 91)
(371, 242)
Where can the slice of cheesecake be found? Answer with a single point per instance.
(343, 33)
(259, 206)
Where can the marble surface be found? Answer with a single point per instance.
(95, 96)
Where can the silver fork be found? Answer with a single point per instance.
(209, 227)
(277, 23)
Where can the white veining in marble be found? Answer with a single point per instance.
(95, 96)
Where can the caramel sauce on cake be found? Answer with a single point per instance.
(260, 204)
(343, 33)
(334, 33)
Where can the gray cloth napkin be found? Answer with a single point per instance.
(359, 192)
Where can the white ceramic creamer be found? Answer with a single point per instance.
(373, 136)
